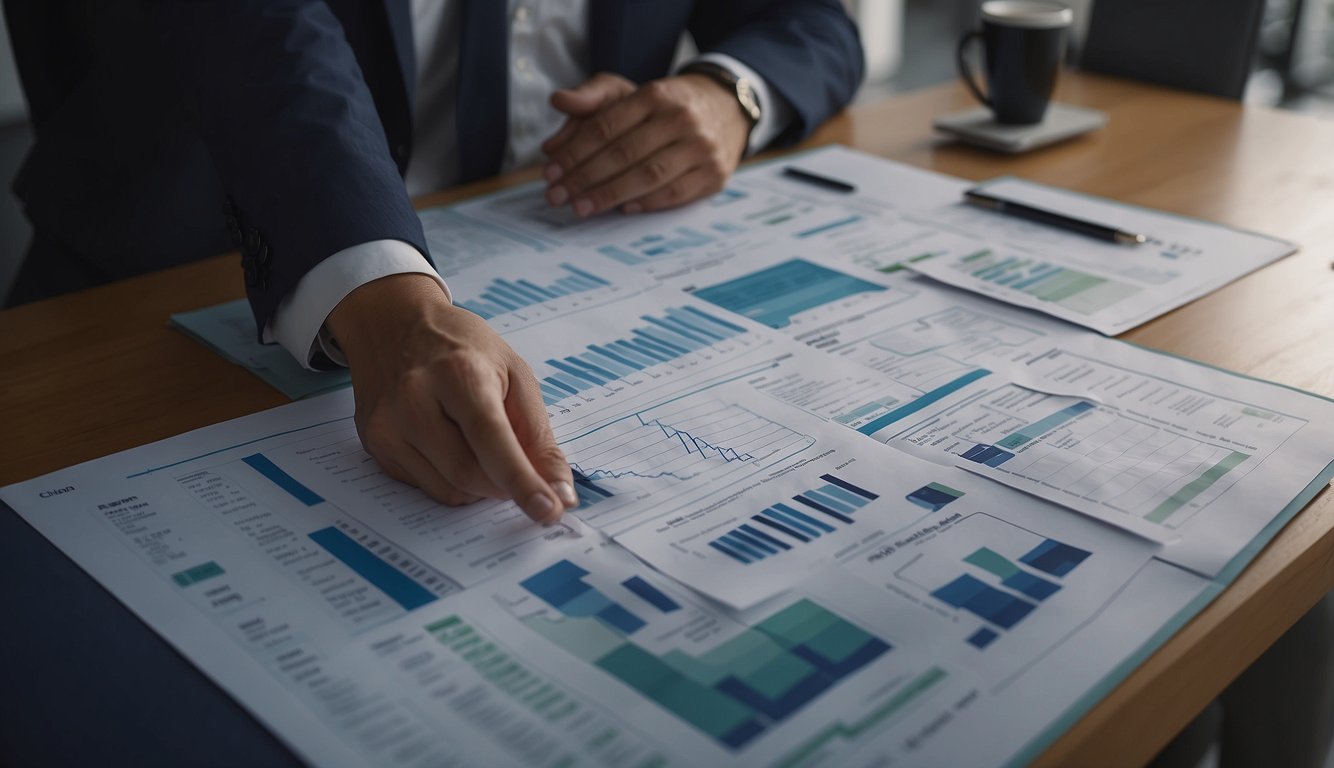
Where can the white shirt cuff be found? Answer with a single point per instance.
(776, 114)
(298, 323)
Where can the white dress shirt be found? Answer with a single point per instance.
(548, 51)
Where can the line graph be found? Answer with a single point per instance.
(681, 441)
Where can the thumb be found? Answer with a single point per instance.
(596, 92)
(528, 418)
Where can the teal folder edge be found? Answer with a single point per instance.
(280, 371)
(1221, 582)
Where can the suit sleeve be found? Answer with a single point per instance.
(293, 130)
(806, 50)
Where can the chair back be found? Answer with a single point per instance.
(1196, 45)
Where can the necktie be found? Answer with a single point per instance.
(482, 115)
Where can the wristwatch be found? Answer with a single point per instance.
(738, 86)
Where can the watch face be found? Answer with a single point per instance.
(746, 95)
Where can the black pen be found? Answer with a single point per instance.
(1051, 218)
(833, 185)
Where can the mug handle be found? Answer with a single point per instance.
(965, 71)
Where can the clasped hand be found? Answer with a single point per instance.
(643, 148)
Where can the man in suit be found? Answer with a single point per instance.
(292, 125)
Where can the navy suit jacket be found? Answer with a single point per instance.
(168, 128)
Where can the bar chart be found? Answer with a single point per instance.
(502, 296)
(1023, 590)
(1115, 459)
(806, 517)
(735, 691)
(663, 338)
(1070, 288)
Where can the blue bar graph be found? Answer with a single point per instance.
(261, 464)
(503, 296)
(651, 594)
(773, 296)
(780, 527)
(562, 586)
(397, 585)
(677, 333)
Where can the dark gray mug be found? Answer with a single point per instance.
(1024, 44)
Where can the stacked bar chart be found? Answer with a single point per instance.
(504, 296)
(677, 333)
(734, 692)
(810, 515)
(1017, 591)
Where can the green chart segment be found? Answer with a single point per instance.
(1069, 288)
(733, 693)
(535, 693)
(909, 694)
(1189, 491)
(773, 296)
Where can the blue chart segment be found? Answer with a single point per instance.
(651, 594)
(922, 401)
(1051, 556)
(503, 296)
(589, 492)
(975, 596)
(679, 442)
(562, 586)
(773, 296)
(388, 579)
(810, 515)
(1017, 593)
(677, 333)
(678, 241)
(1002, 451)
(261, 464)
(734, 692)
(933, 496)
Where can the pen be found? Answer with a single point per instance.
(1051, 218)
(833, 185)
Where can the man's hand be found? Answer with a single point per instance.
(660, 145)
(444, 404)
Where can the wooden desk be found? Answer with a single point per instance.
(99, 371)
